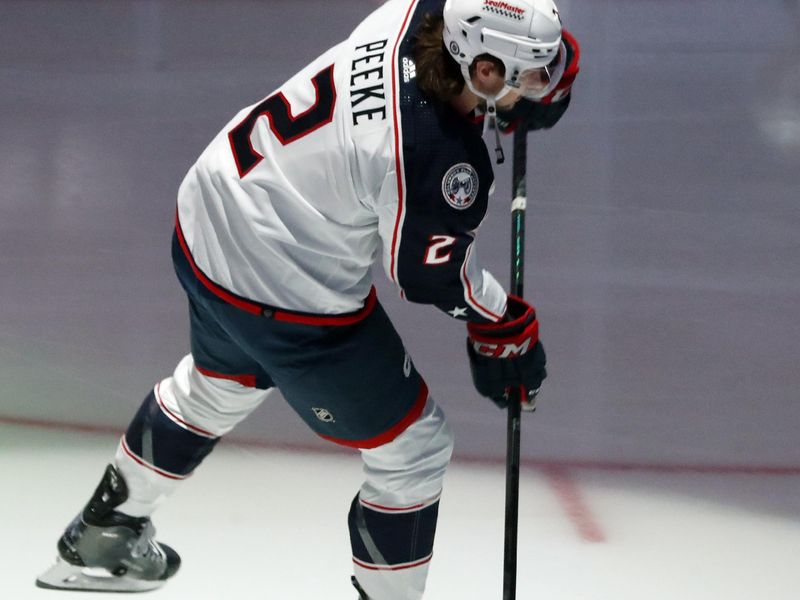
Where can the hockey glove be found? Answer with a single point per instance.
(546, 112)
(508, 355)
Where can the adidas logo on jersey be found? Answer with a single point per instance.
(409, 69)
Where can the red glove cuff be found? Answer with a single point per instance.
(507, 339)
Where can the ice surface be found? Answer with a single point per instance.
(255, 523)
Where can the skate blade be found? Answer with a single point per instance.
(64, 576)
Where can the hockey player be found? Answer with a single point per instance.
(277, 225)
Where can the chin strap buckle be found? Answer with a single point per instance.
(491, 119)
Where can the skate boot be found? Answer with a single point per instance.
(362, 595)
(103, 550)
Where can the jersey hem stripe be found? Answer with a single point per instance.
(402, 509)
(391, 433)
(220, 292)
(336, 320)
(279, 314)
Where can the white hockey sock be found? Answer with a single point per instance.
(393, 519)
(147, 489)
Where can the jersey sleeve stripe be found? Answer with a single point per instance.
(469, 295)
(398, 148)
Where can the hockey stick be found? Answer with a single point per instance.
(518, 176)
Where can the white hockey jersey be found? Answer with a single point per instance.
(289, 203)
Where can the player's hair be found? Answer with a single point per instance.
(438, 75)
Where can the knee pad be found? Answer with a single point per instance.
(157, 441)
(155, 454)
(393, 519)
(204, 402)
(410, 469)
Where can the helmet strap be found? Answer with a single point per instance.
(491, 115)
(490, 118)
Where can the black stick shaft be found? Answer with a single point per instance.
(512, 499)
(520, 191)
(514, 408)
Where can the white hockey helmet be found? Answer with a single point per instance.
(524, 34)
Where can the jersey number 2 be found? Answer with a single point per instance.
(286, 127)
(435, 254)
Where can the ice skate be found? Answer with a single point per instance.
(103, 550)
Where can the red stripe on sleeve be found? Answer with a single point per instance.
(398, 147)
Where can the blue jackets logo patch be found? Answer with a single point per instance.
(460, 186)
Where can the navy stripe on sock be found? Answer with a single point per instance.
(381, 538)
(161, 442)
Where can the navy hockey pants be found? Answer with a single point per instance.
(353, 384)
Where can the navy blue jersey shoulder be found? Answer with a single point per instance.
(448, 175)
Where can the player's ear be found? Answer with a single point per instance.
(485, 69)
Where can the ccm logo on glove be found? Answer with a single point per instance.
(514, 335)
(507, 354)
(506, 348)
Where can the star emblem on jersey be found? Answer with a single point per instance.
(460, 186)
(458, 312)
(323, 415)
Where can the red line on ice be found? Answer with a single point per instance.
(572, 502)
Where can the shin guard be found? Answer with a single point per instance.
(161, 444)
(392, 548)
(154, 455)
